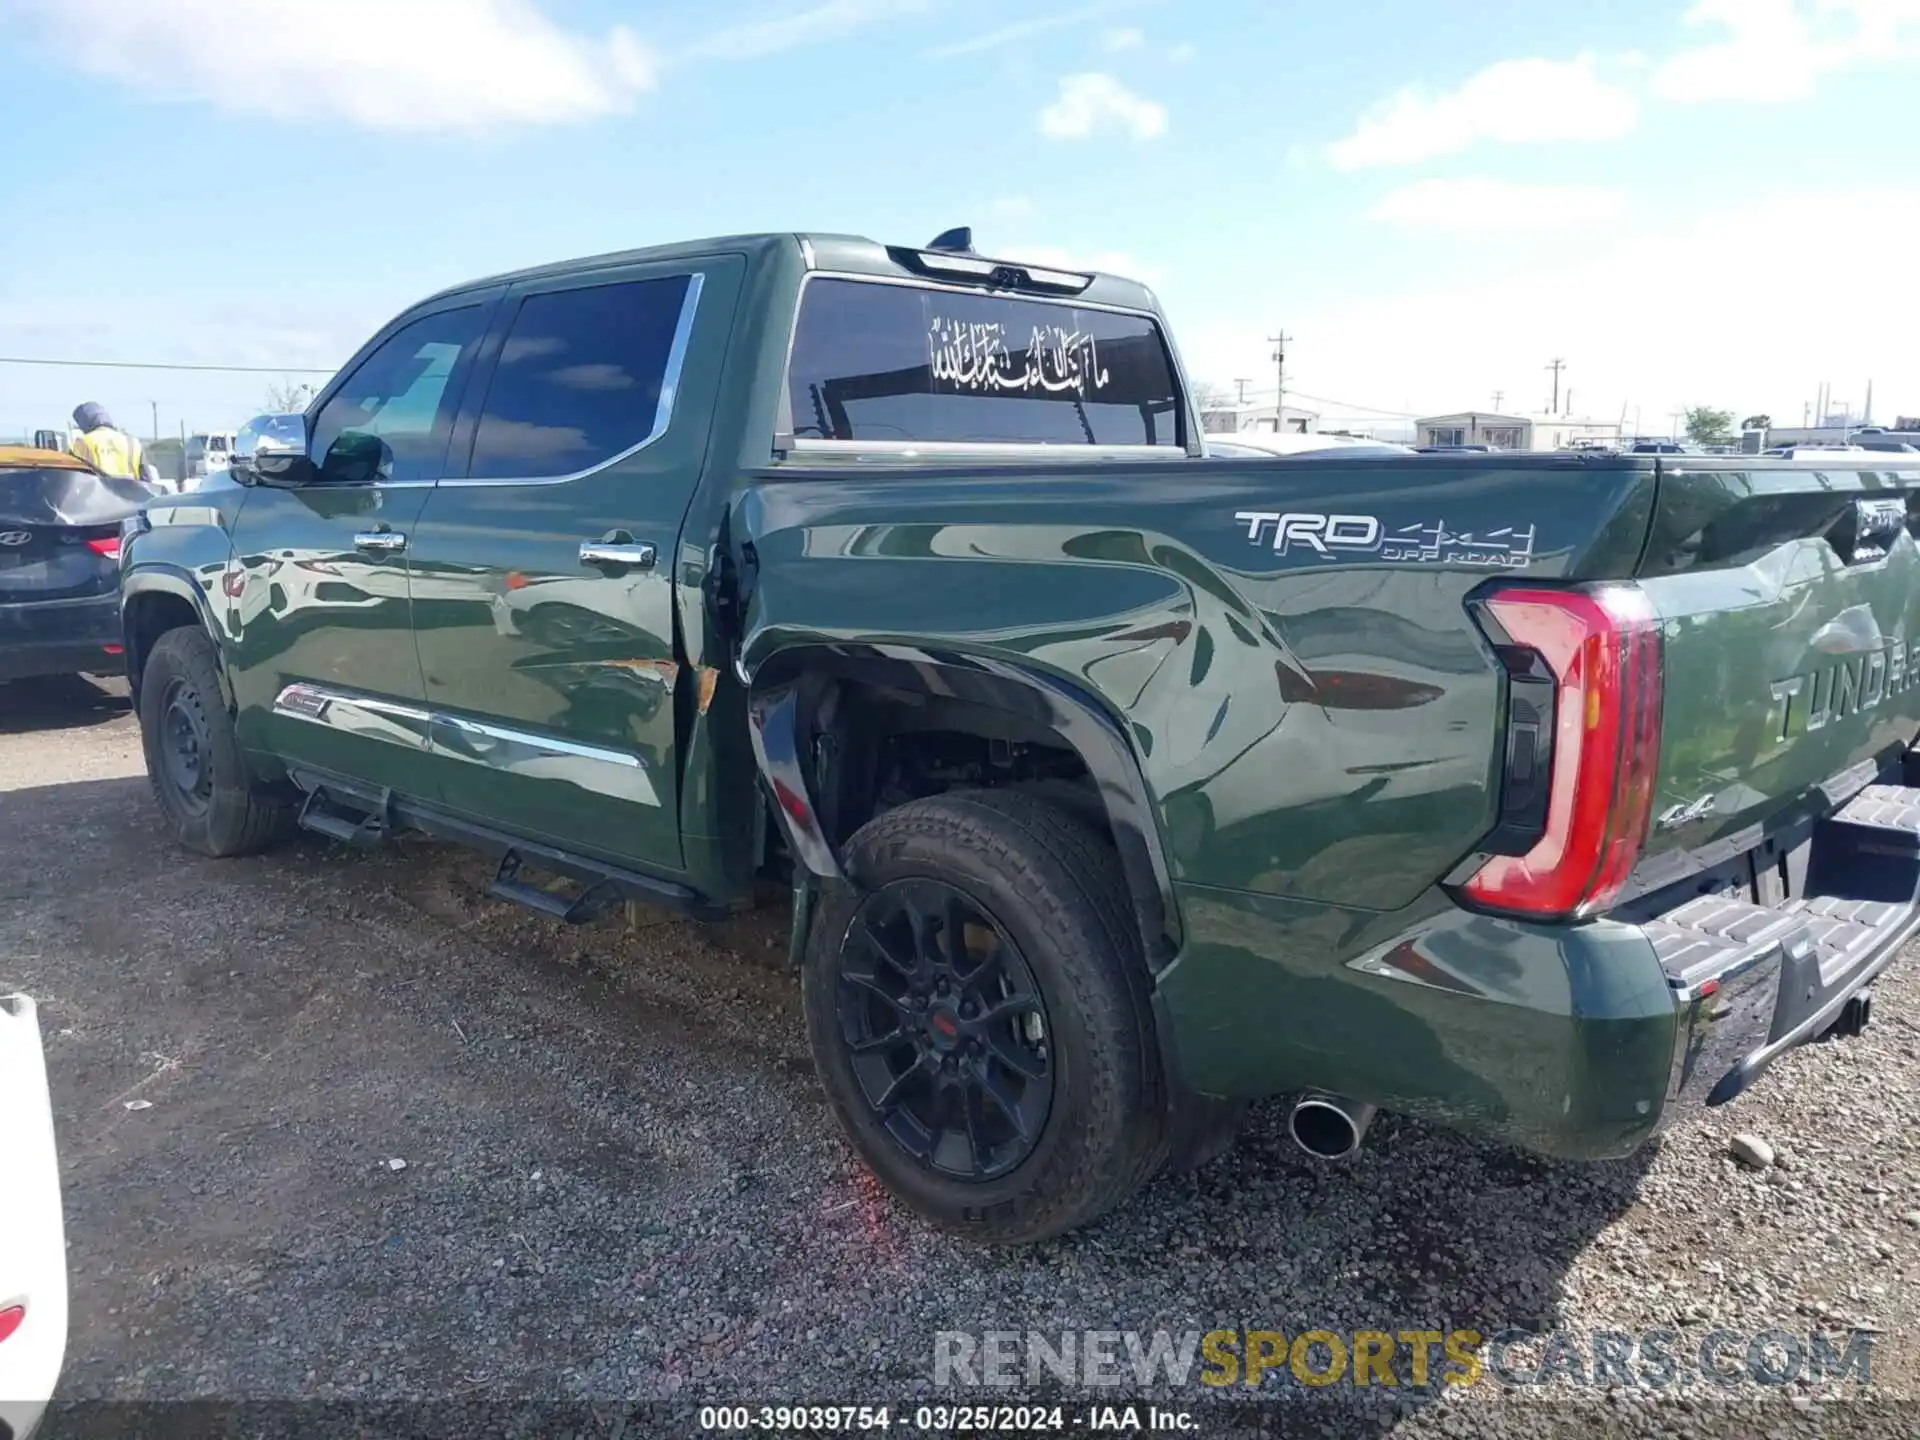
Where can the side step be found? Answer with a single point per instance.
(324, 815)
(336, 809)
(593, 901)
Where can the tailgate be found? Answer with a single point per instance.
(1790, 596)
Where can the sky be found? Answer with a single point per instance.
(1691, 202)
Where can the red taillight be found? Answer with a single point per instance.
(1603, 647)
(11, 1319)
(105, 546)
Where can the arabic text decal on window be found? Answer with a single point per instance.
(925, 365)
(971, 355)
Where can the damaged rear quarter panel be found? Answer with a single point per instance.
(1314, 724)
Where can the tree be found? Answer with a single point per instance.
(1708, 426)
(286, 397)
(1209, 396)
(1757, 422)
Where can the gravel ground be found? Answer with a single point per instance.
(401, 1143)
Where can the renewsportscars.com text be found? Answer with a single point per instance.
(1413, 1358)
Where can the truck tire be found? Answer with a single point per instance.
(212, 803)
(978, 1010)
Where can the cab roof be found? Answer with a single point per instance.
(846, 254)
(22, 457)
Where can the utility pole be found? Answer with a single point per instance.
(1498, 396)
(1556, 367)
(1675, 416)
(1242, 398)
(1279, 343)
(1569, 409)
(156, 418)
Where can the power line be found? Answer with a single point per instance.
(158, 365)
(1336, 404)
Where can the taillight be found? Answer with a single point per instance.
(11, 1319)
(107, 547)
(1601, 647)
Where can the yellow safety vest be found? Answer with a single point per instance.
(110, 452)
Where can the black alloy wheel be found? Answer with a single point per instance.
(945, 1030)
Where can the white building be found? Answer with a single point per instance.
(1514, 432)
(1233, 419)
(1567, 432)
(1475, 427)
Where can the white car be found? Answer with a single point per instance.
(33, 1248)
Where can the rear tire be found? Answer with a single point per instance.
(1014, 1093)
(211, 801)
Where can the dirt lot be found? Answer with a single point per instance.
(402, 1142)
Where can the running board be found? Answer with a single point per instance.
(340, 810)
(324, 815)
(593, 900)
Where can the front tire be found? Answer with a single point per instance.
(979, 1016)
(210, 800)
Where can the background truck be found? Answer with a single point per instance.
(1540, 796)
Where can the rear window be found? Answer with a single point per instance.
(579, 378)
(881, 362)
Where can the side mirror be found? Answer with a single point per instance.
(357, 458)
(283, 469)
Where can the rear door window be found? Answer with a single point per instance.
(582, 378)
(904, 363)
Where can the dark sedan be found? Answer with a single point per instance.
(60, 563)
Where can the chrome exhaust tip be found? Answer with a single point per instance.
(1329, 1126)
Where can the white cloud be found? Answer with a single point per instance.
(1776, 50)
(1095, 104)
(429, 64)
(1512, 102)
(778, 33)
(1128, 37)
(1036, 25)
(1011, 207)
(1183, 52)
(1478, 202)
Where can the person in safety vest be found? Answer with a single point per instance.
(104, 446)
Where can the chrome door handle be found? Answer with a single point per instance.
(386, 542)
(602, 552)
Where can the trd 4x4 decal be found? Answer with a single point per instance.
(1332, 537)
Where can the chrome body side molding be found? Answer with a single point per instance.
(594, 768)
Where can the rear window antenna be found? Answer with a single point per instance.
(959, 239)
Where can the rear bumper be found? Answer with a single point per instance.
(1753, 981)
(1577, 1041)
(60, 637)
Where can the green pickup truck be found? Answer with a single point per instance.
(1117, 784)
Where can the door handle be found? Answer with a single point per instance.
(385, 542)
(603, 552)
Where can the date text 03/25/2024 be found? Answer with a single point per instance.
(936, 1419)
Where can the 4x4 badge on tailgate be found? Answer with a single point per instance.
(1678, 815)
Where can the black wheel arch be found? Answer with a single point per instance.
(793, 701)
(153, 600)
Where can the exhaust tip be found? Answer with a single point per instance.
(1328, 1126)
